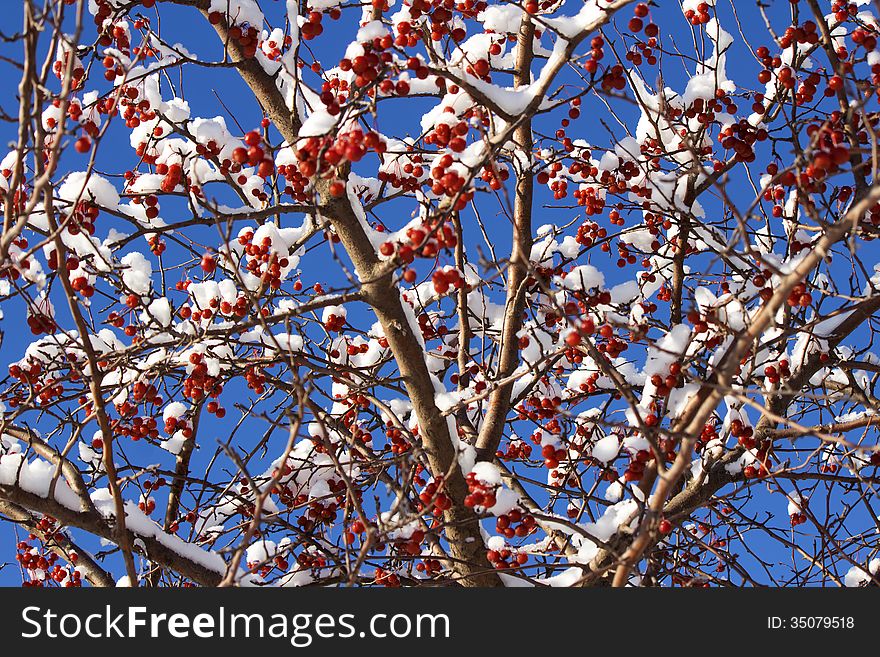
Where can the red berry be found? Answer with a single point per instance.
(208, 263)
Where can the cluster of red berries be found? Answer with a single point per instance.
(762, 280)
(151, 205)
(449, 182)
(265, 568)
(759, 471)
(105, 9)
(367, 69)
(831, 150)
(334, 323)
(80, 283)
(585, 327)
(590, 384)
(430, 329)
(407, 37)
(434, 499)
(452, 136)
(801, 34)
(613, 79)
(617, 181)
(700, 16)
(355, 402)
(480, 68)
(590, 232)
(441, 15)
(672, 380)
(559, 189)
(429, 566)
(254, 155)
(312, 27)
(704, 110)
(173, 424)
(865, 37)
(387, 579)
(499, 558)
(320, 511)
(297, 184)
(273, 49)
(41, 562)
(43, 569)
(534, 407)
(334, 92)
(831, 463)
(517, 450)
(807, 90)
(667, 446)
(844, 10)
(199, 384)
(414, 173)
(116, 35)
(20, 196)
(611, 346)
(740, 137)
(799, 297)
(147, 505)
(643, 51)
(77, 76)
(263, 261)
(28, 375)
(635, 470)
(743, 433)
(775, 373)
(425, 241)
(246, 36)
(494, 175)
(533, 6)
(256, 379)
(309, 560)
(553, 456)
(479, 493)
(411, 546)
(356, 528)
(597, 53)
(321, 155)
(48, 390)
(40, 322)
(701, 320)
(444, 279)
(707, 435)
(82, 218)
(515, 523)
(138, 428)
(398, 443)
(135, 112)
(286, 496)
(636, 23)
